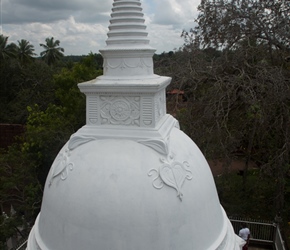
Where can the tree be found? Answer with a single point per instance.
(49, 127)
(236, 82)
(19, 188)
(52, 52)
(56, 109)
(225, 23)
(237, 108)
(24, 51)
(22, 87)
(7, 51)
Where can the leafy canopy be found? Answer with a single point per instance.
(52, 52)
(224, 23)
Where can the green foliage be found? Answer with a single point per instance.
(10, 74)
(67, 93)
(24, 86)
(46, 133)
(8, 225)
(48, 129)
(241, 110)
(7, 51)
(19, 188)
(224, 23)
(52, 107)
(247, 204)
(24, 51)
(237, 95)
(49, 102)
(52, 52)
(18, 182)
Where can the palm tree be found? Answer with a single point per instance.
(25, 51)
(7, 51)
(52, 52)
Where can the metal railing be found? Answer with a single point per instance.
(264, 232)
(278, 241)
(21, 245)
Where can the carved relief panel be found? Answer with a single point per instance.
(160, 105)
(125, 66)
(92, 110)
(120, 110)
(140, 110)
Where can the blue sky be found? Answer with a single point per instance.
(81, 25)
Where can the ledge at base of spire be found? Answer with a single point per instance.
(156, 138)
(125, 102)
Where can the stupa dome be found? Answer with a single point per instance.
(122, 194)
(130, 179)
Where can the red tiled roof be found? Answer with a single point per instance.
(176, 92)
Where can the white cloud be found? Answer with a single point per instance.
(176, 13)
(76, 38)
(164, 38)
(81, 26)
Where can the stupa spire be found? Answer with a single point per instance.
(128, 94)
(127, 24)
(127, 52)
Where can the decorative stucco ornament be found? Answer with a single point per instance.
(171, 173)
(114, 184)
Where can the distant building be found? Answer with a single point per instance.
(9, 133)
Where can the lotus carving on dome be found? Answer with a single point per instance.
(61, 166)
(172, 173)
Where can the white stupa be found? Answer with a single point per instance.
(130, 179)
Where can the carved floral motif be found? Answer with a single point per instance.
(172, 173)
(120, 110)
(160, 105)
(62, 164)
